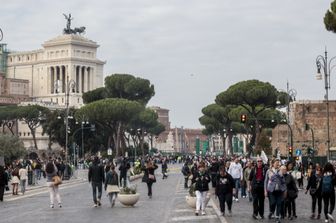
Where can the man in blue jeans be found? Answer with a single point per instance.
(236, 171)
(96, 178)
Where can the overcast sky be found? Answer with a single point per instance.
(191, 50)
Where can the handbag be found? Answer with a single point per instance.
(312, 191)
(112, 188)
(57, 180)
(151, 177)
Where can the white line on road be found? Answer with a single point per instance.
(214, 206)
(194, 218)
(184, 210)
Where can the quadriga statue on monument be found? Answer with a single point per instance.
(68, 29)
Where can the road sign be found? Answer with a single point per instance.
(298, 152)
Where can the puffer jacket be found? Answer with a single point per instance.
(201, 181)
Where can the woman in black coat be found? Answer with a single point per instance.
(224, 189)
(149, 176)
(315, 191)
(292, 192)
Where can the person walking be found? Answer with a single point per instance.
(164, 169)
(328, 191)
(201, 179)
(123, 168)
(256, 187)
(214, 168)
(268, 193)
(51, 172)
(23, 174)
(111, 185)
(224, 190)
(236, 171)
(186, 173)
(315, 191)
(277, 190)
(149, 176)
(292, 192)
(15, 180)
(247, 172)
(96, 177)
(3, 182)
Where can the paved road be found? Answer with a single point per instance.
(167, 205)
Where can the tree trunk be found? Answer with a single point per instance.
(34, 137)
(118, 139)
(49, 143)
(142, 143)
(230, 148)
(224, 146)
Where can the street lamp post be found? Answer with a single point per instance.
(69, 85)
(327, 67)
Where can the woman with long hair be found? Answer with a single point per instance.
(328, 191)
(51, 171)
(149, 176)
(111, 185)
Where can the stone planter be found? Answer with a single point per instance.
(191, 201)
(128, 199)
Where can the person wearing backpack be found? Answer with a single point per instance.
(328, 191)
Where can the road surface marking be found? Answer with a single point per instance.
(194, 218)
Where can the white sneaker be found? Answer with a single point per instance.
(203, 213)
(51, 206)
(237, 200)
(330, 217)
(326, 221)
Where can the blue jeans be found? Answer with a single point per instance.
(276, 199)
(237, 185)
(95, 186)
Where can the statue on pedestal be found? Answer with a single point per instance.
(68, 29)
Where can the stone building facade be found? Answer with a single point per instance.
(49, 70)
(313, 113)
(65, 64)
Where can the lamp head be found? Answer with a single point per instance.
(318, 75)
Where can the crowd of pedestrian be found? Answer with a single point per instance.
(257, 179)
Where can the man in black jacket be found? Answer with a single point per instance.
(256, 186)
(96, 178)
(124, 167)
